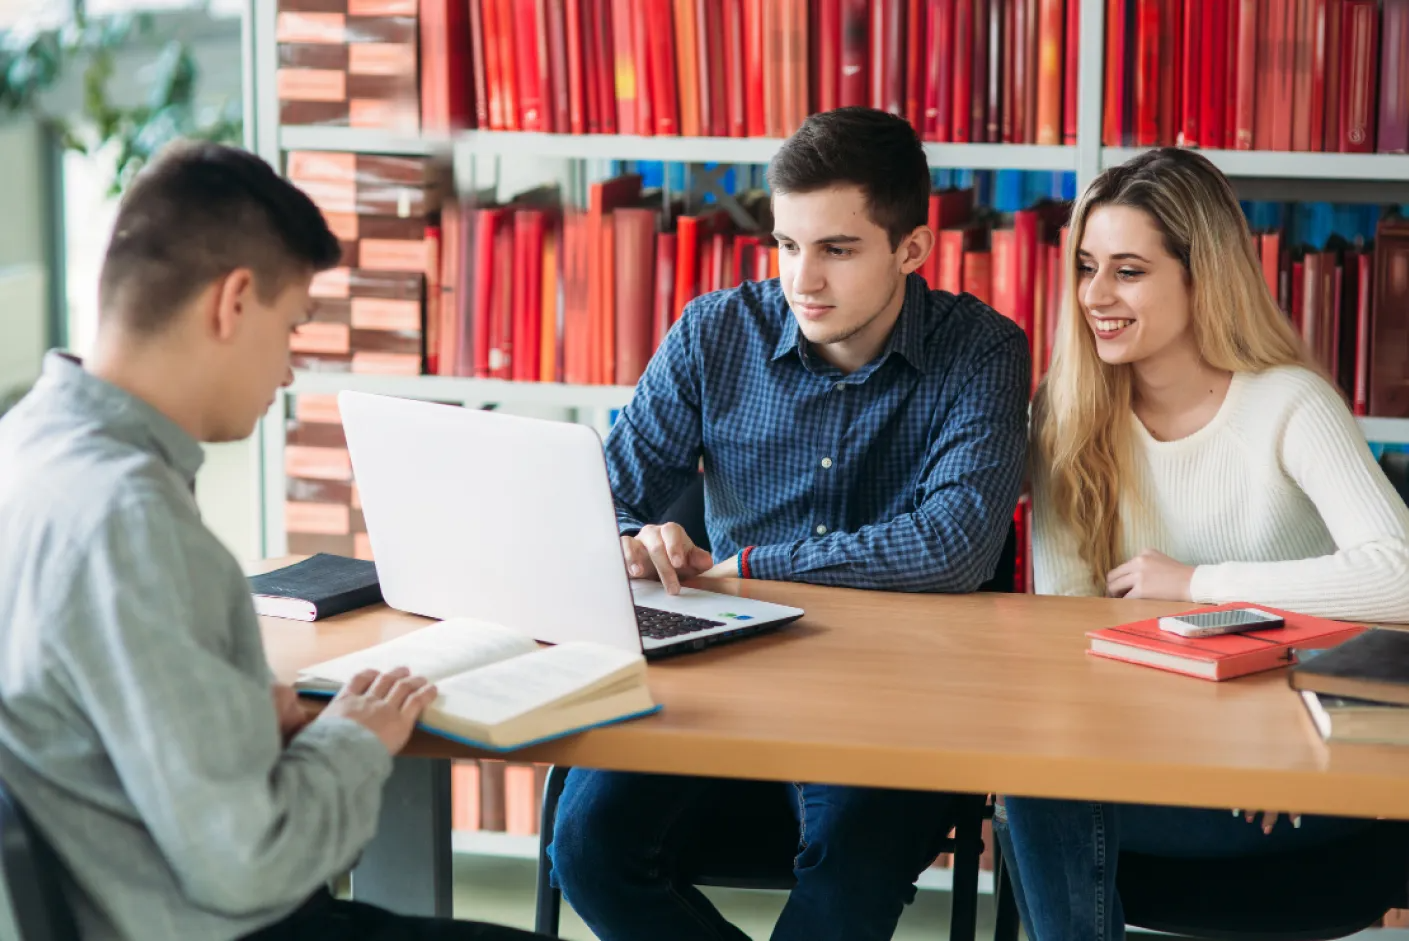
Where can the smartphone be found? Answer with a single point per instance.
(1210, 623)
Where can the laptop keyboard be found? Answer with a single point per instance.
(662, 625)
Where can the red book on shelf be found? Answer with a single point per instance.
(687, 254)
(486, 235)
(1147, 77)
(1245, 75)
(1214, 89)
(1113, 102)
(1272, 264)
(1360, 52)
(1297, 299)
(1393, 135)
(1281, 40)
(1301, 76)
(828, 53)
(1316, 56)
(576, 68)
(978, 99)
(549, 369)
(1010, 98)
(645, 91)
(479, 79)
(559, 93)
(876, 53)
(624, 62)
(664, 309)
(1364, 275)
(963, 65)
(1222, 657)
(591, 90)
(1026, 225)
(687, 67)
(1030, 52)
(1004, 254)
(939, 24)
(914, 75)
(527, 293)
(706, 44)
(606, 85)
(664, 99)
(772, 68)
(501, 304)
(735, 116)
(1171, 20)
(508, 64)
(978, 275)
(797, 98)
(1072, 60)
(493, 77)
(1389, 321)
(756, 120)
(635, 239)
(853, 83)
(996, 82)
(1190, 74)
(1334, 75)
(1049, 72)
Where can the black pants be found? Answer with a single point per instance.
(323, 918)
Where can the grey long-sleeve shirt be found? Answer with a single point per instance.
(136, 722)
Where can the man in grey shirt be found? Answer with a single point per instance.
(187, 794)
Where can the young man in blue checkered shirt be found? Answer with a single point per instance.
(857, 429)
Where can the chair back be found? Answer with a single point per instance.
(31, 873)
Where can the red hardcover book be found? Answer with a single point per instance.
(479, 78)
(978, 275)
(559, 94)
(662, 62)
(687, 67)
(978, 98)
(1360, 53)
(1315, 42)
(635, 244)
(508, 64)
(1147, 77)
(772, 68)
(1364, 276)
(1003, 249)
(1191, 75)
(591, 91)
(1245, 75)
(939, 25)
(735, 115)
(914, 75)
(754, 51)
(664, 310)
(1282, 41)
(1301, 76)
(828, 54)
(952, 243)
(854, 82)
(487, 223)
(1393, 137)
(1049, 72)
(493, 71)
(1171, 20)
(876, 53)
(1029, 90)
(527, 293)
(1389, 321)
(995, 84)
(1009, 122)
(576, 69)
(1113, 102)
(1222, 657)
(606, 86)
(1026, 224)
(1272, 265)
(501, 309)
(1213, 93)
(624, 62)
(645, 90)
(963, 66)
(1072, 60)
(1334, 75)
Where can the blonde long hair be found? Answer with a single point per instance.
(1081, 415)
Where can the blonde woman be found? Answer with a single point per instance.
(1185, 448)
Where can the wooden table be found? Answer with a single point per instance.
(978, 693)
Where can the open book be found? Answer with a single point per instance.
(498, 689)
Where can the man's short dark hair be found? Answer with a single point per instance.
(875, 150)
(196, 213)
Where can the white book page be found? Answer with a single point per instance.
(502, 691)
(438, 651)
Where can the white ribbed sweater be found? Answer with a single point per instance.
(1277, 501)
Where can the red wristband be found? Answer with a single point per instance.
(744, 563)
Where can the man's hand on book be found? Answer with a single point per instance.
(666, 553)
(386, 704)
(292, 715)
(1151, 574)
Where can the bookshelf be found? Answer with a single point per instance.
(1334, 177)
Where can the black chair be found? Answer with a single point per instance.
(31, 873)
(1324, 892)
(756, 850)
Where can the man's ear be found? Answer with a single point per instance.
(915, 249)
(230, 296)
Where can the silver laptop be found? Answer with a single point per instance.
(476, 514)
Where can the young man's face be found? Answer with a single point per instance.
(254, 352)
(837, 268)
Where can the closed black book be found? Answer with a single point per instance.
(1373, 666)
(318, 587)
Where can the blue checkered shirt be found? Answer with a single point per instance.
(901, 476)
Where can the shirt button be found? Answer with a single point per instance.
(821, 530)
(839, 386)
(826, 462)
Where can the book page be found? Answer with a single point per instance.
(438, 651)
(501, 691)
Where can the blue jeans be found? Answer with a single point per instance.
(1061, 855)
(624, 846)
